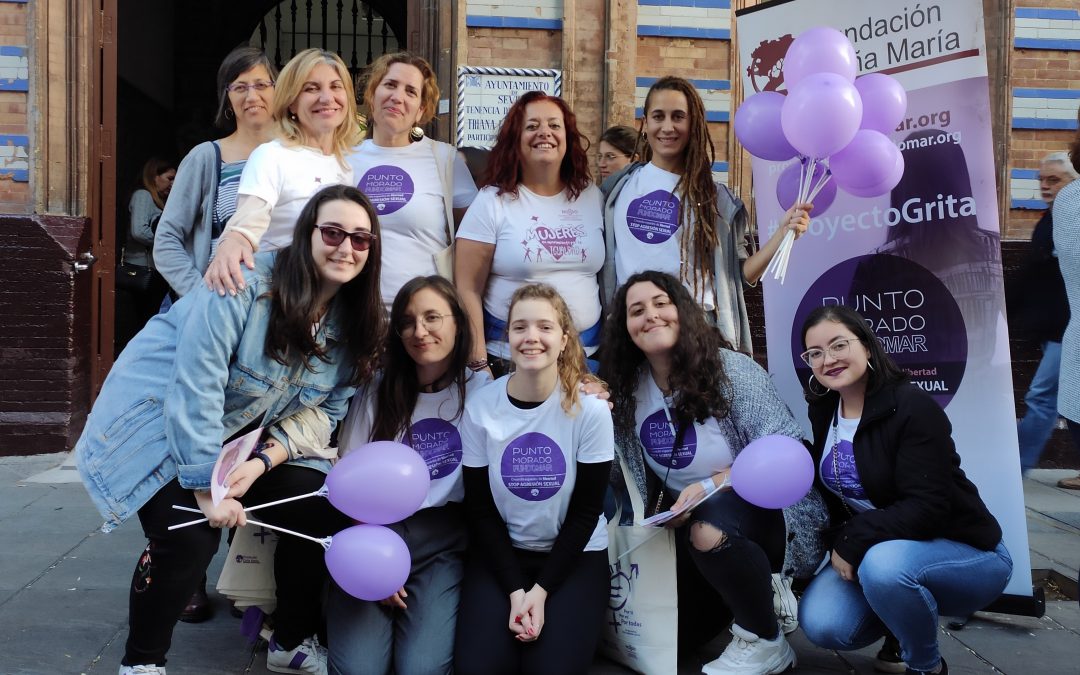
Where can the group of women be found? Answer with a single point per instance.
(323, 254)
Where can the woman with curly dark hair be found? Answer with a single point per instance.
(537, 219)
(685, 407)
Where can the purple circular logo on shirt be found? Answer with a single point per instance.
(388, 187)
(655, 434)
(914, 316)
(840, 473)
(439, 444)
(653, 218)
(533, 467)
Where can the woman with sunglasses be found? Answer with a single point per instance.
(284, 356)
(686, 405)
(314, 111)
(417, 399)
(204, 195)
(911, 538)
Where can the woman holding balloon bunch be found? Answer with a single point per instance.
(284, 355)
(536, 460)
(418, 398)
(668, 213)
(685, 407)
(911, 539)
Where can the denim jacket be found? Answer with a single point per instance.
(190, 380)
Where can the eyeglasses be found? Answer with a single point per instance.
(242, 88)
(610, 157)
(837, 350)
(333, 235)
(431, 321)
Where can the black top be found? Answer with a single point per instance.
(911, 472)
(1037, 301)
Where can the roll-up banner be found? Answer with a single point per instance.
(922, 263)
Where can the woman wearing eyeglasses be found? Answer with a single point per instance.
(314, 110)
(617, 149)
(911, 538)
(284, 355)
(204, 194)
(418, 399)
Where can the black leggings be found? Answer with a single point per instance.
(173, 563)
(573, 618)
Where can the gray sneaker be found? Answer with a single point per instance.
(142, 670)
(747, 653)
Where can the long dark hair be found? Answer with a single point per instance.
(399, 387)
(294, 294)
(883, 370)
(236, 63)
(698, 380)
(504, 162)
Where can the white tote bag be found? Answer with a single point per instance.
(641, 628)
(248, 575)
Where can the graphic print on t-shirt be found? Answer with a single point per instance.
(439, 443)
(843, 469)
(653, 218)
(656, 437)
(555, 242)
(388, 187)
(533, 467)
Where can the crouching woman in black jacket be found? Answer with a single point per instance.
(913, 538)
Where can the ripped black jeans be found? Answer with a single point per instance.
(727, 552)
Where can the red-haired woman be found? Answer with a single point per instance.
(538, 218)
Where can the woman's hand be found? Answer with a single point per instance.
(594, 386)
(797, 219)
(397, 600)
(532, 613)
(224, 272)
(229, 513)
(240, 479)
(517, 599)
(842, 567)
(692, 495)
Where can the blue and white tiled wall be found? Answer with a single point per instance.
(538, 14)
(703, 19)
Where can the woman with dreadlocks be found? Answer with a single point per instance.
(667, 213)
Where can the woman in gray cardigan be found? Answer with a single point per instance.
(204, 195)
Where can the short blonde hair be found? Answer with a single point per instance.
(287, 89)
(429, 97)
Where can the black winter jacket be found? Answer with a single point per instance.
(911, 472)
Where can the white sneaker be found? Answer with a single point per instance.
(784, 603)
(747, 653)
(142, 670)
(308, 657)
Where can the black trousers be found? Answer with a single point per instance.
(173, 563)
(573, 618)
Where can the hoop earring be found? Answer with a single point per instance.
(869, 365)
(810, 386)
(228, 113)
(416, 133)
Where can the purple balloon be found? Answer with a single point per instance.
(773, 472)
(819, 50)
(787, 188)
(381, 482)
(757, 126)
(821, 115)
(369, 562)
(885, 185)
(868, 159)
(884, 102)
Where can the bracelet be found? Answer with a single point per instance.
(477, 365)
(707, 485)
(264, 457)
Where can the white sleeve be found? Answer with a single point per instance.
(263, 175)
(464, 188)
(356, 428)
(480, 221)
(473, 441)
(597, 442)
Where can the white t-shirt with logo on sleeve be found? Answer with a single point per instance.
(531, 456)
(703, 451)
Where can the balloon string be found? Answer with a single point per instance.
(324, 542)
(321, 492)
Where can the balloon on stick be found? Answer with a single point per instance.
(884, 102)
(787, 187)
(870, 159)
(821, 115)
(369, 562)
(819, 50)
(381, 482)
(773, 472)
(757, 126)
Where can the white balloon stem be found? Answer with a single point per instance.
(324, 542)
(822, 182)
(321, 492)
(805, 178)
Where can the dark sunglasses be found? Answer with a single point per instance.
(333, 235)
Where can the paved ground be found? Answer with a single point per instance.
(63, 593)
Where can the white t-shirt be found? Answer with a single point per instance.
(541, 239)
(286, 177)
(532, 456)
(405, 186)
(703, 452)
(647, 228)
(843, 473)
(433, 432)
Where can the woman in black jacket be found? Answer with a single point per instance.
(912, 539)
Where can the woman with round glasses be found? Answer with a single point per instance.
(314, 111)
(282, 356)
(912, 539)
(204, 195)
(418, 400)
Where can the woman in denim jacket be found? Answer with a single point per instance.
(284, 354)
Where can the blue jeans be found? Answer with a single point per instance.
(1035, 427)
(903, 586)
